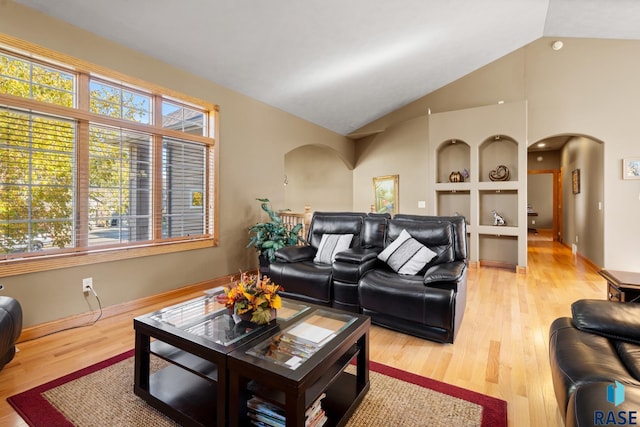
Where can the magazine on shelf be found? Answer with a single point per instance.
(264, 414)
(312, 333)
(257, 405)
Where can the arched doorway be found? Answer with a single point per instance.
(572, 167)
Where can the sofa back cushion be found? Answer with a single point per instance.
(373, 230)
(459, 223)
(335, 223)
(435, 235)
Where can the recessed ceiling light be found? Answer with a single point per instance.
(541, 144)
(557, 45)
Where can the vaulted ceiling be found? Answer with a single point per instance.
(339, 63)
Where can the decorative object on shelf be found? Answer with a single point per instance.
(631, 168)
(385, 192)
(501, 173)
(497, 218)
(268, 237)
(252, 298)
(456, 177)
(465, 174)
(575, 181)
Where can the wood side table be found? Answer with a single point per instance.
(622, 286)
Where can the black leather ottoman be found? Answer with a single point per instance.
(10, 328)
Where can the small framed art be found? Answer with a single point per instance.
(385, 191)
(575, 181)
(631, 168)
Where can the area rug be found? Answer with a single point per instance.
(102, 395)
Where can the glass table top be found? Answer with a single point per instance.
(210, 319)
(298, 342)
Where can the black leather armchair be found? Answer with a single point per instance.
(431, 303)
(294, 268)
(10, 328)
(589, 352)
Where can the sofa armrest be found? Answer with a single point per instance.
(616, 320)
(295, 253)
(446, 272)
(357, 255)
(352, 264)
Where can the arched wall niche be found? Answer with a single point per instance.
(453, 155)
(496, 151)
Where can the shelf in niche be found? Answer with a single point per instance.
(501, 250)
(452, 156)
(453, 186)
(498, 185)
(451, 203)
(493, 153)
(504, 202)
(497, 230)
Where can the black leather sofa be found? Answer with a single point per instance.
(10, 328)
(595, 363)
(429, 304)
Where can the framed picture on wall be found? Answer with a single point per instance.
(631, 168)
(385, 192)
(575, 181)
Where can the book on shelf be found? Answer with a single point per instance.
(264, 414)
(314, 415)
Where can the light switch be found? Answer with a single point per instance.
(422, 204)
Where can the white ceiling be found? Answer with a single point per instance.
(339, 63)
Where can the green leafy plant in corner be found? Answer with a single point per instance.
(268, 237)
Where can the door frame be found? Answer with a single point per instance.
(557, 199)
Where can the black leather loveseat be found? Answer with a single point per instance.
(595, 363)
(428, 302)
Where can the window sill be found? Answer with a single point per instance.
(15, 267)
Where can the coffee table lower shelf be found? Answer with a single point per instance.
(185, 397)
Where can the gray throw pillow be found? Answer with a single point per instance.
(330, 245)
(406, 255)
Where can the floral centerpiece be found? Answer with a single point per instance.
(253, 295)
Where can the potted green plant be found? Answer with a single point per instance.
(268, 237)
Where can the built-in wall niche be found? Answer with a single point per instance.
(453, 156)
(498, 150)
(454, 202)
(504, 202)
(501, 251)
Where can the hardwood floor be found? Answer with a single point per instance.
(501, 349)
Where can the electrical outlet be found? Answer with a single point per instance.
(87, 284)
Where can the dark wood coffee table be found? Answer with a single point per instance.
(191, 341)
(623, 286)
(297, 364)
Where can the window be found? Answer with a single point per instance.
(28, 79)
(96, 170)
(114, 101)
(120, 192)
(37, 166)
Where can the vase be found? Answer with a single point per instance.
(247, 316)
